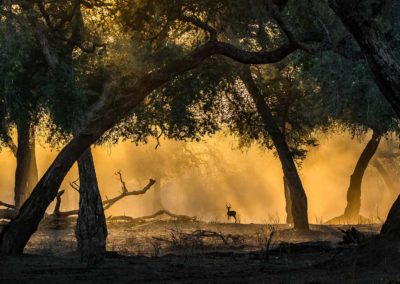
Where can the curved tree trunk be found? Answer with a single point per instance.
(352, 210)
(296, 191)
(91, 228)
(26, 174)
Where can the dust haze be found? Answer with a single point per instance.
(199, 178)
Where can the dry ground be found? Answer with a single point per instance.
(166, 252)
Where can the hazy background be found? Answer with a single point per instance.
(199, 178)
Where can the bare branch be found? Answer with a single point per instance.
(58, 203)
(108, 203)
(124, 189)
(158, 137)
(75, 185)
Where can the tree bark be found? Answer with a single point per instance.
(352, 210)
(91, 228)
(295, 187)
(377, 46)
(288, 206)
(391, 228)
(111, 108)
(26, 174)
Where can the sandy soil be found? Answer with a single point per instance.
(167, 252)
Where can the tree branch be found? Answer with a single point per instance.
(11, 145)
(75, 185)
(58, 203)
(201, 25)
(109, 202)
(106, 203)
(274, 11)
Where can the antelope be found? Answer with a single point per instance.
(230, 212)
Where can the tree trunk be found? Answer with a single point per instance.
(386, 178)
(297, 194)
(26, 174)
(91, 228)
(383, 58)
(352, 210)
(391, 229)
(288, 207)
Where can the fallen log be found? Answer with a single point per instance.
(158, 213)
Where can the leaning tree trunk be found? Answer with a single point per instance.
(26, 174)
(91, 228)
(352, 210)
(296, 190)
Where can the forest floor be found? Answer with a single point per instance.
(165, 251)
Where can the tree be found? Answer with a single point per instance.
(381, 51)
(55, 91)
(20, 103)
(294, 105)
(353, 103)
(352, 211)
(297, 196)
(121, 94)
